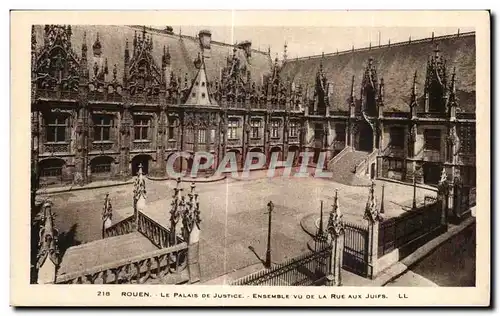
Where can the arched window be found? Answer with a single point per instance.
(51, 171)
(51, 168)
(101, 165)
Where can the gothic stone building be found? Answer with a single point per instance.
(105, 99)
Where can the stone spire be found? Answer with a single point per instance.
(107, 209)
(107, 215)
(97, 47)
(371, 212)
(352, 89)
(414, 90)
(285, 52)
(335, 226)
(381, 91)
(48, 248)
(165, 60)
(453, 89)
(33, 38)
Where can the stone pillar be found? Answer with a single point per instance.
(162, 140)
(126, 124)
(194, 255)
(267, 137)
(246, 137)
(336, 230)
(372, 215)
(353, 135)
(456, 192)
(196, 130)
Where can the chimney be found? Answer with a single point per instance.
(205, 37)
(247, 47)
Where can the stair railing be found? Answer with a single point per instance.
(337, 157)
(155, 264)
(362, 167)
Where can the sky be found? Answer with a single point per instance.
(310, 41)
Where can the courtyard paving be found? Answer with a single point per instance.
(234, 219)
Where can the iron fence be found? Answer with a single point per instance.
(399, 231)
(465, 198)
(304, 270)
(355, 257)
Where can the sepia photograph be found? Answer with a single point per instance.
(253, 155)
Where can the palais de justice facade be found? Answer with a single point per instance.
(105, 99)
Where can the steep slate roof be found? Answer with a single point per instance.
(198, 93)
(183, 50)
(396, 64)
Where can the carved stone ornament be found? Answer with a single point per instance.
(191, 214)
(335, 225)
(108, 209)
(48, 244)
(371, 212)
(143, 75)
(57, 66)
(189, 119)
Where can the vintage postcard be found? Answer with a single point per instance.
(250, 158)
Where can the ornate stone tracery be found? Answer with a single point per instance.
(142, 74)
(436, 82)
(57, 66)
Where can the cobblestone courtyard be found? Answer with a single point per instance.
(233, 214)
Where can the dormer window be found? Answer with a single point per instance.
(436, 93)
(435, 85)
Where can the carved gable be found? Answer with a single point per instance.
(435, 82)
(57, 66)
(144, 76)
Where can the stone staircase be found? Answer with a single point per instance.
(104, 251)
(344, 168)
